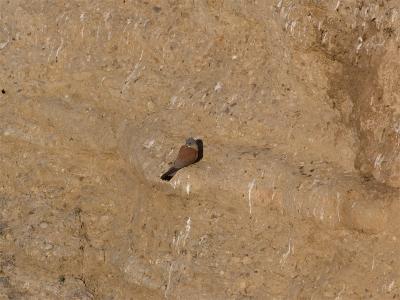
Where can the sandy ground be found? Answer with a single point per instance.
(296, 197)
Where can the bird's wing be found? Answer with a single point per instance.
(186, 156)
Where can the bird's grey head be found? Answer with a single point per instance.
(191, 142)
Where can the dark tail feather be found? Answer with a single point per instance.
(169, 174)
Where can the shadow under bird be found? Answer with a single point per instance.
(189, 153)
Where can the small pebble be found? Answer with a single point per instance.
(151, 106)
(246, 260)
(218, 87)
(236, 260)
(48, 247)
(43, 225)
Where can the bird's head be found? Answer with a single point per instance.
(191, 142)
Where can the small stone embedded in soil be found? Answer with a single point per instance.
(236, 260)
(3, 91)
(43, 225)
(150, 106)
(48, 247)
(246, 260)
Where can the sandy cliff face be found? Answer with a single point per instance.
(296, 195)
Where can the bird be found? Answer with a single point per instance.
(188, 154)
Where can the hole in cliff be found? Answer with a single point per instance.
(199, 143)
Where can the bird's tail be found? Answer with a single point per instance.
(169, 174)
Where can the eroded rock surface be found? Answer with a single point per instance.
(296, 196)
